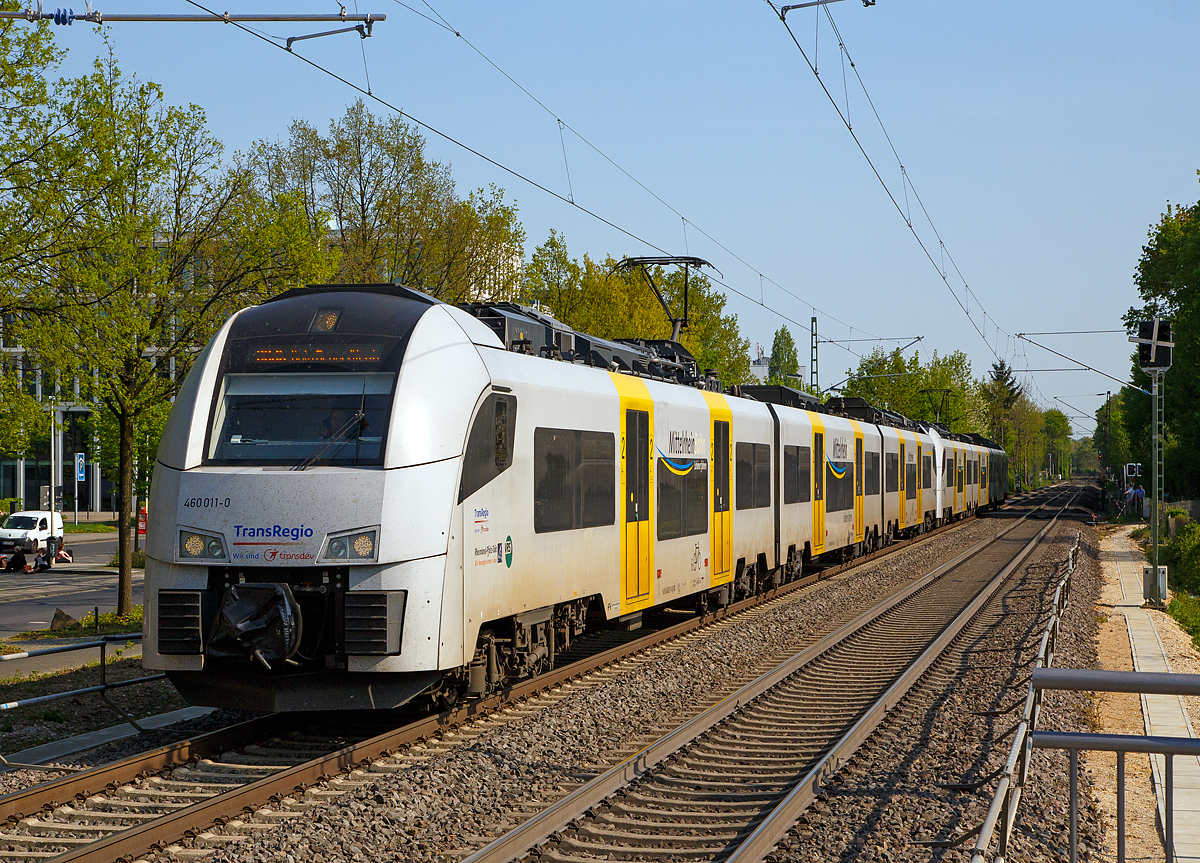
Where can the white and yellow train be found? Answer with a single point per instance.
(364, 495)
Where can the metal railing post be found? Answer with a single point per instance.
(1170, 826)
(1075, 806)
(1120, 807)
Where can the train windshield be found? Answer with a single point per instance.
(290, 419)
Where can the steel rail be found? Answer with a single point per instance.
(540, 827)
(23, 803)
(139, 839)
(775, 826)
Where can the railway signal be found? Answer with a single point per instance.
(1154, 358)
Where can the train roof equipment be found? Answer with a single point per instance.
(532, 331)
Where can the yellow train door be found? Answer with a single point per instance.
(858, 484)
(635, 470)
(903, 490)
(960, 495)
(920, 486)
(722, 541)
(818, 496)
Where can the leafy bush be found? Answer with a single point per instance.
(1186, 610)
(1182, 555)
(139, 560)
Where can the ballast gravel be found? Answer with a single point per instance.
(18, 780)
(888, 798)
(457, 801)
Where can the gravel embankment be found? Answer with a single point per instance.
(458, 800)
(888, 796)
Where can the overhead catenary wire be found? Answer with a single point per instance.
(904, 176)
(1078, 333)
(1023, 337)
(505, 168)
(446, 25)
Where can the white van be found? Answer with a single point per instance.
(30, 531)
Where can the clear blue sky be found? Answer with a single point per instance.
(1043, 138)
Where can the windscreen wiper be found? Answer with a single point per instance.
(359, 417)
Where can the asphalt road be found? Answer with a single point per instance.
(28, 599)
(95, 549)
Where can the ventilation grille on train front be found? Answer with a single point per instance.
(179, 622)
(374, 622)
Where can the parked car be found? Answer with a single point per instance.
(31, 531)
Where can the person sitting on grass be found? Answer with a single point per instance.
(17, 562)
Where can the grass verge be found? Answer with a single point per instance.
(110, 624)
(1185, 608)
(90, 527)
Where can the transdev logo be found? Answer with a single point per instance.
(274, 555)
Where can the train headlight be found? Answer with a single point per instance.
(198, 545)
(353, 546)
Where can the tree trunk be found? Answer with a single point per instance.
(125, 522)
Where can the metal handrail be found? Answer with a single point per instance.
(1003, 810)
(1145, 683)
(1007, 799)
(64, 648)
(100, 689)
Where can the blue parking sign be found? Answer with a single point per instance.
(80, 462)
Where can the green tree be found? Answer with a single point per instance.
(1057, 429)
(941, 390)
(785, 364)
(1084, 459)
(394, 215)
(1000, 392)
(1112, 441)
(177, 241)
(603, 301)
(1168, 284)
(22, 419)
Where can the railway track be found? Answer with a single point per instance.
(125, 809)
(729, 784)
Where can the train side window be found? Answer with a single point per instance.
(490, 445)
(597, 479)
(927, 472)
(574, 479)
(839, 493)
(762, 475)
(871, 471)
(753, 475)
(744, 467)
(682, 499)
(910, 476)
(892, 472)
(797, 474)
